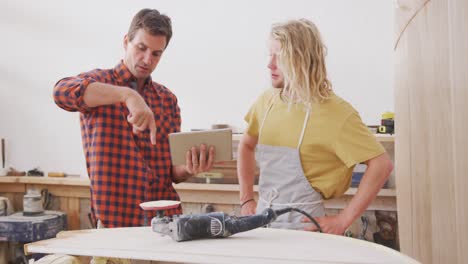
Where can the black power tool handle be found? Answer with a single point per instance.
(245, 223)
(219, 224)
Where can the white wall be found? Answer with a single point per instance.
(215, 63)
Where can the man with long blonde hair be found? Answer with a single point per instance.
(307, 139)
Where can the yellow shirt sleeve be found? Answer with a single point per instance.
(257, 111)
(252, 121)
(355, 142)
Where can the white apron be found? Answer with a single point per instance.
(282, 182)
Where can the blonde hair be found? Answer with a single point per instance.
(302, 61)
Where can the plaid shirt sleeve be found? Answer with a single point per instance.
(177, 118)
(69, 92)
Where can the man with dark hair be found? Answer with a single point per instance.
(125, 121)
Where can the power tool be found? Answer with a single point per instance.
(213, 225)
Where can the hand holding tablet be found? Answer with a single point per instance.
(181, 142)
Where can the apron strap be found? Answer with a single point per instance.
(304, 125)
(266, 114)
(306, 119)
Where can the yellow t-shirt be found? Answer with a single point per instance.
(335, 139)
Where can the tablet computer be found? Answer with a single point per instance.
(221, 139)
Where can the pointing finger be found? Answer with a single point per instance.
(153, 129)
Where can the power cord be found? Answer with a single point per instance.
(289, 209)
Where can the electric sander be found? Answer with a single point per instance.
(210, 225)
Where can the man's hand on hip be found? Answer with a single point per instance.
(333, 224)
(248, 207)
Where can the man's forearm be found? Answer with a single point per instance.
(97, 94)
(246, 168)
(378, 171)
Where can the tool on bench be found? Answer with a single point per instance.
(35, 172)
(210, 225)
(387, 124)
(61, 174)
(56, 174)
(13, 172)
(32, 203)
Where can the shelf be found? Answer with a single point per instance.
(228, 195)
(209, 187)
(73, 181)
(380, 137)
(235, 188)
(382, 192)
(180, 186)
(385, 137)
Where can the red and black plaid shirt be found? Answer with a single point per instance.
(124, 169)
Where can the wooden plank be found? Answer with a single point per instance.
(403, 178)
(420, 130)
(431, 117)
(71, 206)
(261, 245)
(381, 193)
(73, 214)
(406, 11)
(458, 50)
(12, 187)
(74, 181)
(385, 137)
(16, 200)
(85, 209)
(222, 194)
(9, 179)
(235, 188)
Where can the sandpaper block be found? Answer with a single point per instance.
(56, 174)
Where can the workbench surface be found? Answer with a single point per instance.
(262, 245)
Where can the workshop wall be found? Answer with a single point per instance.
(215, 63)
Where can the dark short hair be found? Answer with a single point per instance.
(152, 22)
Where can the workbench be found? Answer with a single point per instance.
(73, 196)
(261, 245)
